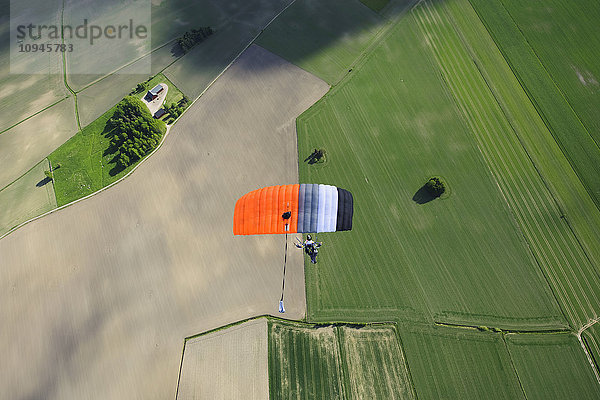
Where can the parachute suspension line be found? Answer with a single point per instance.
(281, 309)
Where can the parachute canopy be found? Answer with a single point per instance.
(311, 207)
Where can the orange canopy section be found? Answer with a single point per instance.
(260, 211)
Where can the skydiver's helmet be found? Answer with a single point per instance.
(308, 237)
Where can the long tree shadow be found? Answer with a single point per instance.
(422, 196)
(43, 182)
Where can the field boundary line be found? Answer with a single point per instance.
(512, 364)
(34, 114)
(64, 62)
(411, 381)
(163, 138)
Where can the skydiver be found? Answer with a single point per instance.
(310, 248)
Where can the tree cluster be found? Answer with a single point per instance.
(193, 37)
(135, 132)
(175, 109)
(435, 187)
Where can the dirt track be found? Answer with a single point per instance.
(96, 299)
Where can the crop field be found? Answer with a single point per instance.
(565, 263)
(27, 197)
(201, 65)
(304, 362)
(552, 366)
(571, 55)
(24, 145)
(386, 129)
(450, 363)
(336, 362)
(375, 364)
(324, 38)
(231, 363)
(548, 91)
(591, 337)
(170, 19)
(25, 94)
(153, 259)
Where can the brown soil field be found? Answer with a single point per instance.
(232, 363)
(26, 144)
(98, 297)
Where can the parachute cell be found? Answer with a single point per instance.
(313, 208)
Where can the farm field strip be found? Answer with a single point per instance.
(573, 278)
(231, 363)
(456, 363)
(570, 162)
(374, 363)
(570, 56)
(552, 366)
(304, 363)
(29, 142)
(30, 195)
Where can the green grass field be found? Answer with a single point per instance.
(323, 37)
(29, 196)
(498, 120)
(450, 363)
(387, 128)
(552, 366)
(87, 164)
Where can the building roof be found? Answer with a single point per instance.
(160, 113)
(157, 89)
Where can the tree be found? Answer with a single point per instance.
(135, 132)
(48, 174)
(435, 186)
(193, 37)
